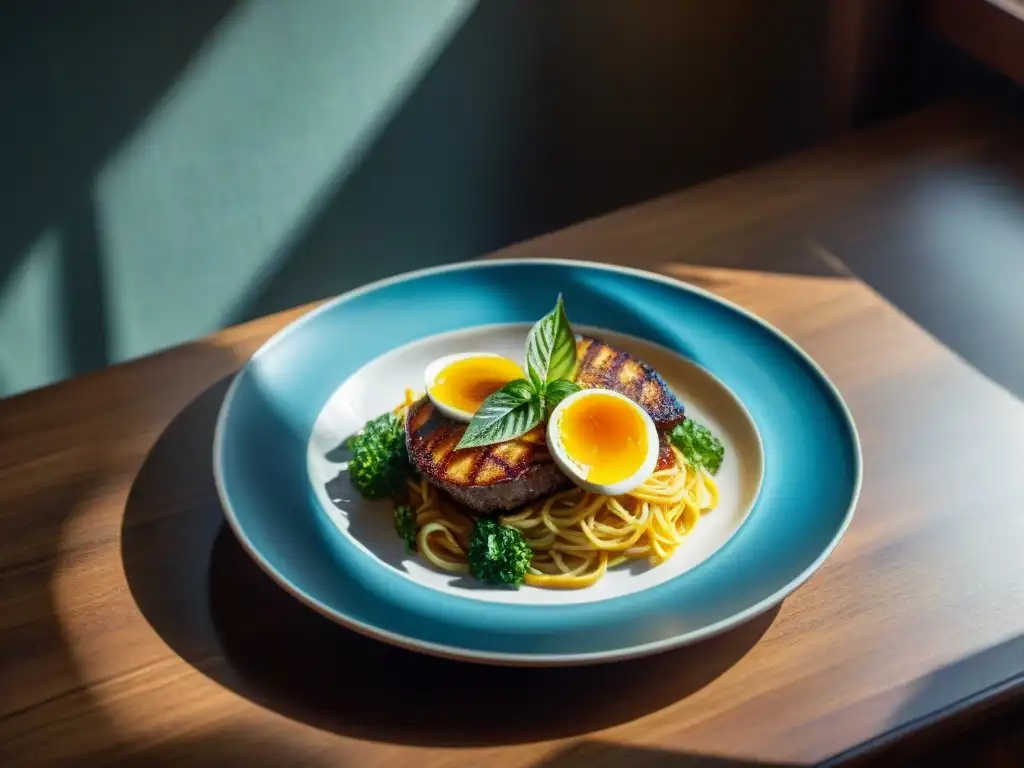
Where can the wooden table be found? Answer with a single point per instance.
(132, 627)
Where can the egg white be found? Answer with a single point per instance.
(578, 473)
(431, 372)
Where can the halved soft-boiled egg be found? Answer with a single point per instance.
(603, 441)
(457, 385)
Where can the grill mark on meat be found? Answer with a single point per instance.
(491, 456)
(432, 439)
(588, 357)
(617, 362)
(636, 389)
(479, 459)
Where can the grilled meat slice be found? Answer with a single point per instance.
(492, 477)
(602, 365)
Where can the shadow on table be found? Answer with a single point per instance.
(966, 713)
(211, 604)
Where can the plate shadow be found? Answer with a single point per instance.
(215, 608)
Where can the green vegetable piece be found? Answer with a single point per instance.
(551, 348)
(699, 446)
(405, 526)
(510, 412)
(380, 462)
(498, 554)
(556, 391)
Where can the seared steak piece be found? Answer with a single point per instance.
(502, 476)
(507, 475)
(603, 366)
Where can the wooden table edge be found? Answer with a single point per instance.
(962, 714)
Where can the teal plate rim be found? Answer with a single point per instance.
(415, 617)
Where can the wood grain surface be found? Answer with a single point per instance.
(134, 630)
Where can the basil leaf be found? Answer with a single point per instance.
(512, 411)
(520, 388)
(556, 391)
(551, 348)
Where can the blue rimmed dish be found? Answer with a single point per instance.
(790, 481)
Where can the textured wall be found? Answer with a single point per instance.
(170, 168)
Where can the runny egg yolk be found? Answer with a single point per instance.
(465, 384)
(606, 434)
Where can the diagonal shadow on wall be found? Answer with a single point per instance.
(76, 79)
(457, 170)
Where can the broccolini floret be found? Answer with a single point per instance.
(699, 446)
(498, 554)
(380, 463)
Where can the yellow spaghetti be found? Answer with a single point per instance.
(575, 535)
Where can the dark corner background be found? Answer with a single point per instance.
(167, 169)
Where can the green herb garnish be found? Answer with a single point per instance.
(512, 411)
(556, 391)
(405, 525)
(380, 462)
(498, 554)
(551, 348)
(701, 448)
(522, 404)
